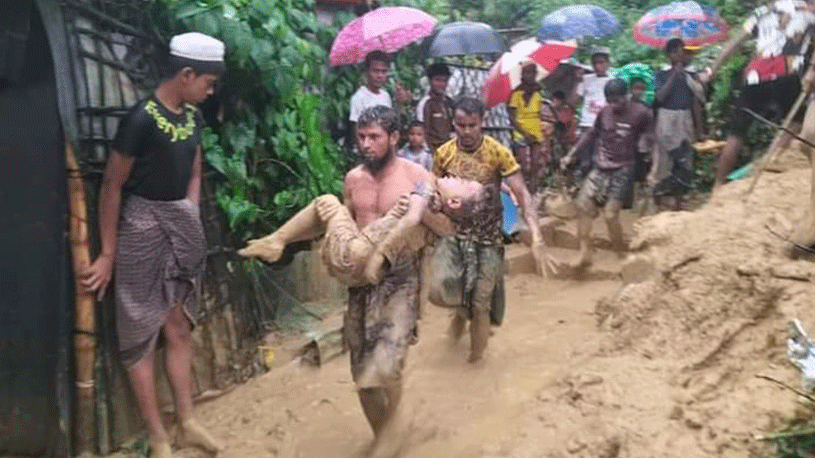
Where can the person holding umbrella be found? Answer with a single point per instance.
(640, 80)
(369, 38)
(679, 101)
(527, 136)
(784, 31)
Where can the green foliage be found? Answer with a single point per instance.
(274, 155)
(280, 149)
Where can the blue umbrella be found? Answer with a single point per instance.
(577, 21)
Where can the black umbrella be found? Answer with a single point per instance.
(465, 38)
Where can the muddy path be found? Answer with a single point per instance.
(545, 389)
(451, 408)
(665, 368)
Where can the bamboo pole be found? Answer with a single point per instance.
(774, 148)
(85, 319)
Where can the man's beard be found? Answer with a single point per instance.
(375, 165)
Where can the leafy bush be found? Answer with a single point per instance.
(280, 148)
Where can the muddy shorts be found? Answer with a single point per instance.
(605, 186)
(469, 275)
(380, 323)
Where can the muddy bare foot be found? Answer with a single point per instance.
(268, 248)
(391, 438)
(160, 450)
(192, 433)
(620, 249)
(475, 359)
(582, 262)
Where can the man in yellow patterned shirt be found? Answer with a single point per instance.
(468, 267)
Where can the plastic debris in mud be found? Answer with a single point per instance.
(801, 352)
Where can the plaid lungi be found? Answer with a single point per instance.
(160, 256)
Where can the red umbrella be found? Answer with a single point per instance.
(505, 75)
(386, 29)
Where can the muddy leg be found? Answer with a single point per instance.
(144, 386)
(388, 438)
(479, 334)
(611, 213)
(375, 407)
(179, 370)
(457, 324)
(491, 266)
(306, 224)
(727, 159)
(584, 222)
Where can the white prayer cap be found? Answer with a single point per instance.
(197, 46)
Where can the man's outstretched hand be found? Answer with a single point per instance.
(545, 264)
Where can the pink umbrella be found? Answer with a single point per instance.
(386, 28)
(505, 75)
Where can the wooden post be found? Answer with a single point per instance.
(85, 313)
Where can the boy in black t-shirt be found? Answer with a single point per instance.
(151, 231)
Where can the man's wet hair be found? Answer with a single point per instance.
(376, 56)
(673, 44)
(385, 117)
(615, 88)
(438, 69)
(470, 106)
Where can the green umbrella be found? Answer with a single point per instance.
(636, 70)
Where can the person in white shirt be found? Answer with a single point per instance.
(373, 93)
(590, 92)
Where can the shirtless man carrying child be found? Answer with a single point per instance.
(371, 228)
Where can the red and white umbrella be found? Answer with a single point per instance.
(385, 28)
(505, 74)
